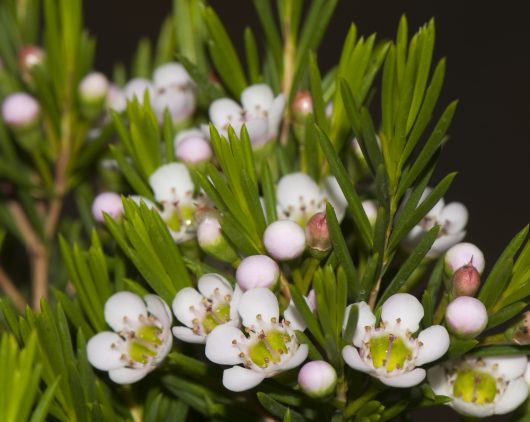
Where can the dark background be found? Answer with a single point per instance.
(487, 46)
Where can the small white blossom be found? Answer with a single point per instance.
(138, 87)
(174, 90)
(20, 110)
(452, 219)
(389, 352)
(268, 346)
(260, 112)
(173, 189)
(481, 387)
(298, 197)
(192, 147)
(215, 303)
(140, 341)
(109, 203)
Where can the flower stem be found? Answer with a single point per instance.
(11, 291)
(495, 339)
(440, 310)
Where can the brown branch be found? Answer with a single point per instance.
(9, 288)
(37, 251)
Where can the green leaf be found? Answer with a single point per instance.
(251, 52)
(431, 292)
(505, 314)
(277, 409)
(496, 283)
(459, 346)
(411, 263)
(308, 316)
(354, 202)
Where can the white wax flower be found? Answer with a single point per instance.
(452, 219)
(389, 352)
(109, 203)
(20, 110)
(257, 271)
(466, 317)
(214, 304)
(298, 197)
(261, 112)
(284, 240)
(174, 90)
(481, 387)
(173, 189)
(140, 341)
(138, 87)
(268, 346)
(463, 254)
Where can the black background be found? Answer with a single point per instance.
(487, 46)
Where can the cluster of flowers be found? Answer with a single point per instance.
(241, 326)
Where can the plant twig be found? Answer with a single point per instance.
(9, 288)
(37, 251)
(288, 74)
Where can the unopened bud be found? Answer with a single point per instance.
(212, 240)
(302, 106)
(317, 378)
(192, 147)
(463, 254)
(20, 110)
(108, 203)
(93, 91)
(257, 271)
(521, 334)
(317, 233)
(284, 240)
(29, 56)
(466, 281)
(466, 317)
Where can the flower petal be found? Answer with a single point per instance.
(365, 318)
(123, 306)
(236, 297)
(509, 367)
(224, 112)
(405, 308)
(334, 195)
(514, 395)
(295, 360)
(444, 242)
(257, 100)
(185, 303)
(171, 74)
(209, 283)
(352, 358)
(472, 409)
(438, 381)
(292, 314)
(220, 347)
(187, 335)
(171, 183)
(157, 307)
(275, 115)
(258, 131)
(405, 380)
(129, 375)
(295, 189)
(101, 354)
(434, 343)
(260, 301)
(241, 379)
(455, 217)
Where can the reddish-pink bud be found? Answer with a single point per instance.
(317, 233)
(466, 281)
(28, 57)
(302, 105)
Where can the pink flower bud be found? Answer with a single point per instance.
(107, 202)
(463, 254)
(193, 149)
(212, 240)
(317, 233)
(20, 110)
(257, 271)
(94, 87)
(317, 378)
(466, 317)
(466, 281)
(28, 57)
(302, 105)
(284, 240)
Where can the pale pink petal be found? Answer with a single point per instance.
(100, 351)
(434, 343)
(241, 379)
(405, 380)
